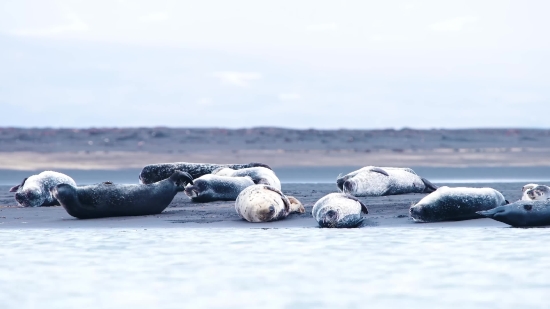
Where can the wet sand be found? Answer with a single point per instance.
(388, 211)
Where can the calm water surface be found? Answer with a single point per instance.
(275, 268)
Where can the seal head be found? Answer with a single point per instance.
(339, 210)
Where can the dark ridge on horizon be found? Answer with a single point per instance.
(163, 139)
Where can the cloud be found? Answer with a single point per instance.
(75, 25)
(155, 17)
(205, 101)
(289, 96)
(329, 27)
(454, 24)
(240, 79)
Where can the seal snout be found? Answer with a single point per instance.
(348, 186)
(416, 212)
(191, 191)
(330, 219)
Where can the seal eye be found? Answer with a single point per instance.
(527, 207)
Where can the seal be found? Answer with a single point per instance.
(156, 172)
(537, 193)
(341, 179)
(524, 189)
(339, 210)
(454, 204)
(265, 203)
(377, 181)
(521, 213)
(210, 188)
(114, 200)
(260, 175)
(34, 191)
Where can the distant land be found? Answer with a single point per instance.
(120, 148)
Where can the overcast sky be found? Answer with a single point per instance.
(300, 64)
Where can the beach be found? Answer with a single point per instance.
(385, 211)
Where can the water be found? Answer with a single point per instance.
(275, 268)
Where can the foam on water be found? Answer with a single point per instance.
(275, 268)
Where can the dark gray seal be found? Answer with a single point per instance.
(156, 172)
(339, 210)
(521, 213)
(210, 188)
(381, 181)
(114, 200)
(34, 191)
(453, 204)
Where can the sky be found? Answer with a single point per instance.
(298, 64)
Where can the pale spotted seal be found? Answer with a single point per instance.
(113, 200)
(460, 203)
(209, 188)
(35, 190)
(526, 188)
(156, 172)
(521, 213)
(260, 175)
(537, 193)
(339, 210)
(264, 203)
(377, 181)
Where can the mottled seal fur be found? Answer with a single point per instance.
(521, 213)
(379, 181)
(460, 203)
(537, 193)
(264, 203)
(113, 200)
(35, 190)
(209, 188)
(260, 175)
(156, 172)
(339, 210)
(526, 188)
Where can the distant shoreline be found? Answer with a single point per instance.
(121, 148)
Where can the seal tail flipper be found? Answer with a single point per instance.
(379, 170)
(14, 189)
(491, 212)
(283, 197)
(430, 187)
(364, 208)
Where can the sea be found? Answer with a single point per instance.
(371, 267)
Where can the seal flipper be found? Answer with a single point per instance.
(14, 189)
(283, 197)
(181, 178)
(379, 170)
(430, 187)
(364, 208)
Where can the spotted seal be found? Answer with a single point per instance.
(521, 213)
(537, 193)
(260, 175)
(339, 210)
(264, 203)
(156, 172)
(453, 204)
(114, 200)
(209, 188)
(526, 188)
(378, 181)
(35, 190)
